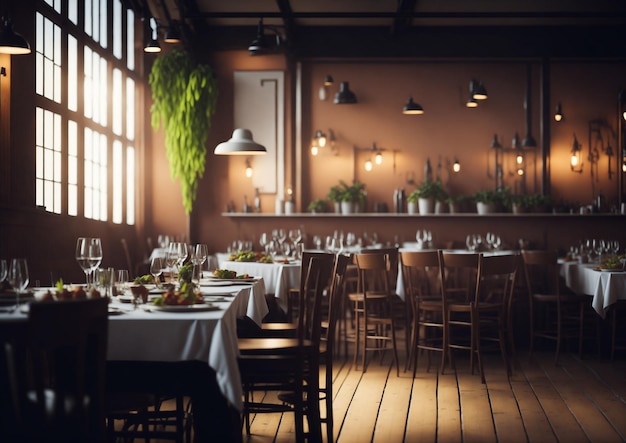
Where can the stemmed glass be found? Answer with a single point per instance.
(198, 257)
(88, 255)
(156, 269)
(95, 254)
(263, 240)
(614, 247)
(18, 277)
(4, 270)
(171, 258)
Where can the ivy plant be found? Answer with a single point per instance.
(184, 95)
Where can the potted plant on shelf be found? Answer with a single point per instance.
(352, 196)
(489, 200)
(540, 203)
(334, 195)
(318, 206)
(520, 204)
(426, 195)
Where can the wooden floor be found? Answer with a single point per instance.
(576, 401)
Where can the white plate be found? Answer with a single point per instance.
(234, 280)
(187, 308)
(216, 283)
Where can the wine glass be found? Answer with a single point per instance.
(95, 254)
(18, 277)
(263, 240)
(317, 240)
(614, 247)
(350, 239)
(121, 281)
(199, 256)
(172, 259)
(496, 242)
(156, 269)
(4, 270)
(82, 256)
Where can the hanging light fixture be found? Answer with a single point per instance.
(471, 102)
(265, 43)
(576, 163)
(153, 45)
(172, 33)
(328, 80)
(412, 108)
(241, 143)
(10, 41)
(477, 90)
(378, 159)
(345, 95)
(248, 168)
(558, 114)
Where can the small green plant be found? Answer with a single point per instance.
(318, 205)
(334, 194)
(352, 193)
(428, 189)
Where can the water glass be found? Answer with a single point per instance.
(121, 281)
(18, 277)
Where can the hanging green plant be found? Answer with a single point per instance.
(184, 94)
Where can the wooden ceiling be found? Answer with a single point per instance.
(403, 28)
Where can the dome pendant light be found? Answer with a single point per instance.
(345, 95)
(412, 108)
(10, 41)
(241, 143)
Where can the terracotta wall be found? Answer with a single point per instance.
(447, 130)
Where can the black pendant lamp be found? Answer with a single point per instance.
(345, 96)
(10, 41)
(412, 108)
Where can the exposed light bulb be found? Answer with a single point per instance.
(368, 165)
(379, 158)
(456, 166)
(314, 150)
(248, 171)
(574, 160)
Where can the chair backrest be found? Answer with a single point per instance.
(422, 272)
(496, 279)
(541, 272)
(66, 347)
(461, 271)
(393, 262)
(374, 268)
(317, 270)
(336, 293)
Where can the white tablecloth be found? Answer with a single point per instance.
(605, 287)
(278, 277)
(205, 336)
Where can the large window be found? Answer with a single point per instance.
(85, 86)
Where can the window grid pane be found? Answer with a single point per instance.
(68, 166)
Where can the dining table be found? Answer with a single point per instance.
(198, 333)
(278, 276)
(605, 287)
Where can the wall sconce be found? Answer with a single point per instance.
(575, 162)
(10, 41)
(558, 114)
(248, 168)
(377, 154)
(477, 90)
(624, 160)
(345, 96)
(412, 108)
(266, 43)
(456, 166)
(328, 81)
(321, 140)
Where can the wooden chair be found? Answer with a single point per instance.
(423, 276)
(460, 273)
(553, 314)
(60, 394)
(494, 291)
(374, 316)
(290, 364)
